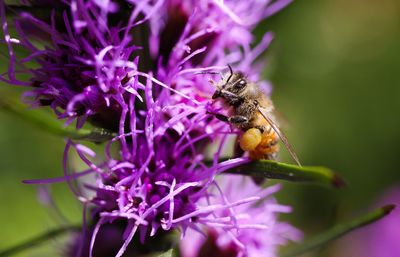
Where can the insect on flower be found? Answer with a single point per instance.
(252, 113)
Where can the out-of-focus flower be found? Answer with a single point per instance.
(257, 229)
(382, 238)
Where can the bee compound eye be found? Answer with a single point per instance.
(241, 84)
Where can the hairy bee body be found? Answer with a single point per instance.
(245, 100)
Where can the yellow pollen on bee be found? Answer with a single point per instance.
(250, 139)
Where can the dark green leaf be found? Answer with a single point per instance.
(37, 240)
(276, 170)
(49, 123)
(170, 253)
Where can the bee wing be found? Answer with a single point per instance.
(276, 116)
(280, 134)
(281, 119)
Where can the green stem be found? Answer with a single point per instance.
(37, 240)
(276, 170)
(47, 122)
(338, 231)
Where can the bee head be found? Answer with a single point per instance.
(233, 83)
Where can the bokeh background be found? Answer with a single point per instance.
(335, 66)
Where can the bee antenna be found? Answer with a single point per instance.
(210, 72)
(207, 72)
(230, 75)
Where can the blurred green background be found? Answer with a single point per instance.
(335, 68)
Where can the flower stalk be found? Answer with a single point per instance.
(338, 231)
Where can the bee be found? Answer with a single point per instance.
(252, 113)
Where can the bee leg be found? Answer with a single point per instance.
(238, 119)
(221, 117)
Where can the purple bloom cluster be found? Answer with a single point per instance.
(81, 62)
(135, 67)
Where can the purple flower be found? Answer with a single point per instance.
(380, 239)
